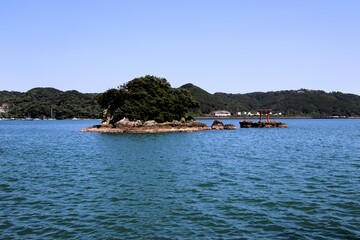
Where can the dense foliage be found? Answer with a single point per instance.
(146, 98)
(290, 103)
(152, 98)
(49, 102)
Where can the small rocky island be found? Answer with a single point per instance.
(219, 125)
(260, 124)
(146, 105)
(150, 105)
(127, 126)
(272, 124)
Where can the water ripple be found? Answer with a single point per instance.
(295, 183)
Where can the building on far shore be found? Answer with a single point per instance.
(252, 114)
(244, 113)
(221, 113)
(4, 107)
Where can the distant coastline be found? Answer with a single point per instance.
(283, 117)
(298, 104)
(196, 118)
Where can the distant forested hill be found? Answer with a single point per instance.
(40, 102)
(290, 103)
(47, 102)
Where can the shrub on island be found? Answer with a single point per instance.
(146, 98)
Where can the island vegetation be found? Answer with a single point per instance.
(146, 98)
(146, 105)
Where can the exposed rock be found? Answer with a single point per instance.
(126, 122)
(229, 126)
(280, 125)
(217, 125)
(138, 123)
(106, 125)
(150, 123)
(150, 127)
(272, 124)
(172, 124)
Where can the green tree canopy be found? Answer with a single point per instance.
(146, 98)
(41, 102)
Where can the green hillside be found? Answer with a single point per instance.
(311, 103)
(50, 102)
(40, 102)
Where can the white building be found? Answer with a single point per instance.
(4, 107)
(221, 113)
(244, 114)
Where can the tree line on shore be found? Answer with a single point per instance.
(45, 103)
(302, 102)
(150, 97)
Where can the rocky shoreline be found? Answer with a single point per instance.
(126, 126)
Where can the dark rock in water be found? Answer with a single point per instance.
(229, 127)
(217, 125)
(272, 124)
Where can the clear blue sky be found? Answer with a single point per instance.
(233, 46)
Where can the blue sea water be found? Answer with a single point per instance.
(302, 182)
